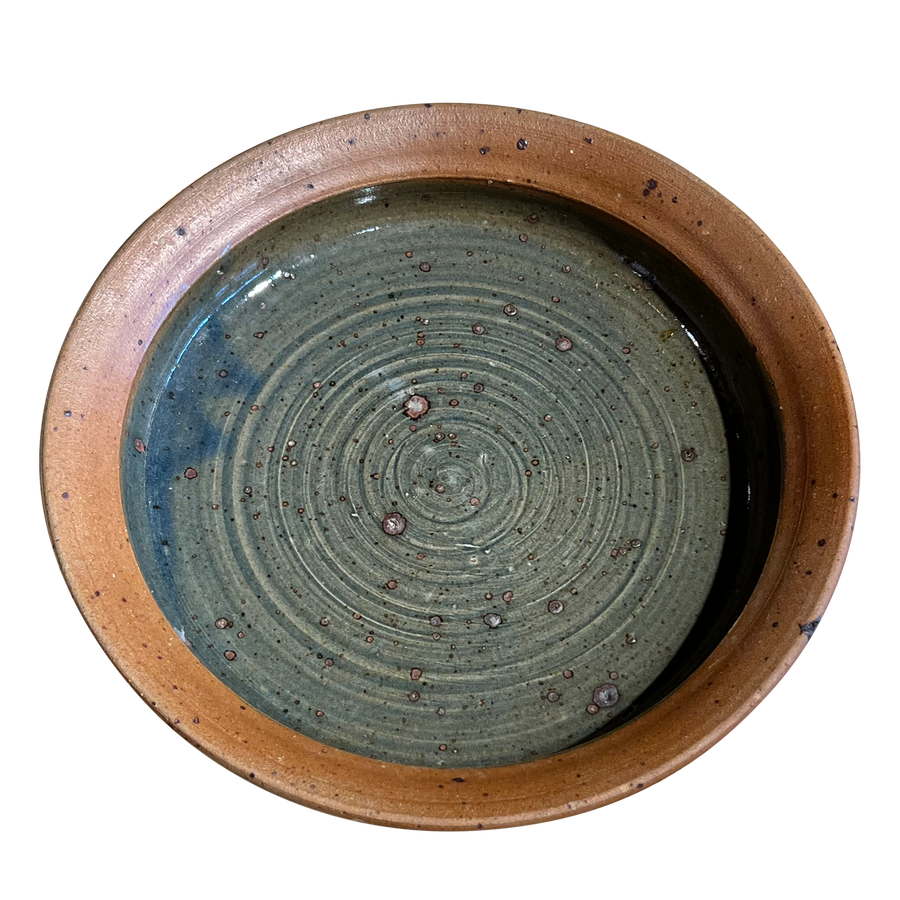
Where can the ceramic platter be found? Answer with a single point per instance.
(450, 466)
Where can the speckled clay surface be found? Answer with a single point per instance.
(430, 474)
(803, 464)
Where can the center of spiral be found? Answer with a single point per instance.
(454, 479)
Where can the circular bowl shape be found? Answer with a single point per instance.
(450, 466)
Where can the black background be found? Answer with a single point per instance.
(791, 763)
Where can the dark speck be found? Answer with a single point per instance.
(484, 150)
(181, 231)
(521, 144)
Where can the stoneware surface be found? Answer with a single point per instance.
(379, 792)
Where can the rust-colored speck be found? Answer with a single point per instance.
(393, 524)
(416, 406)
(605, 696)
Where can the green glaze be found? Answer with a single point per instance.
(565, 495)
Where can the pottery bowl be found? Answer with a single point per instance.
(450, 466)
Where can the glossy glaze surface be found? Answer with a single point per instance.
(429, 473)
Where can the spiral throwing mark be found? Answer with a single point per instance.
(382, 470)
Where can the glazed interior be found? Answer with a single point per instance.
(449, 473)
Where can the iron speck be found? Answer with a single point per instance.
(606, 695)
(393, 524)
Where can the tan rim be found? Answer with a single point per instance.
(100, 359)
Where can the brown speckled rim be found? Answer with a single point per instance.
(99, 362)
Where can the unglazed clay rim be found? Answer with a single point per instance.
(99, 364)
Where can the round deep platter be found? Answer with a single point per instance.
(450, 466)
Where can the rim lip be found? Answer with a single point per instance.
(577, 162)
